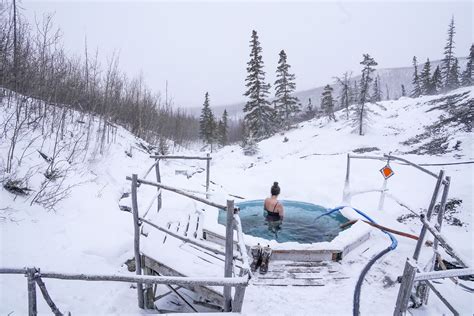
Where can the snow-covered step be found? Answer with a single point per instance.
(291, 273)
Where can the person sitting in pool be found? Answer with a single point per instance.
(273, 208)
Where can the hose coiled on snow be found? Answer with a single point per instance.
(357, 290)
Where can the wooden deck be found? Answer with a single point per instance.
(166, 255)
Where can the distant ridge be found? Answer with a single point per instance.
(392, 78)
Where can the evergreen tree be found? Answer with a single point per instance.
(223, 129)
(468, 73)
(250, 145)
(345, 92)
(364, 95)
(425, 79)
(377, 94)
(448, 59)
(404, 93)
(259, 114)
(437, 81)
(327, 102)
(285, 104)
(310, 112)
(355, 93)
(207, 122)
(453, 78)
(416, 92)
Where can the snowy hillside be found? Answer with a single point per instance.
(391, 78)
(86, 231)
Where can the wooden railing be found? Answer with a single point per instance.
(414, 277)
(418, 278)
(35, 277)
(232, 222)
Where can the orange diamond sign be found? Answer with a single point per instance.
(387, 172)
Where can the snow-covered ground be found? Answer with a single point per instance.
(88, 233)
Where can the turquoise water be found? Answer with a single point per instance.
(299, 224)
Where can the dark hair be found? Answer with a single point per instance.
(275, 190)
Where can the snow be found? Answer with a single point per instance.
(87, 233)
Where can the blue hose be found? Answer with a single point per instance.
(330, 211)
(357, 290)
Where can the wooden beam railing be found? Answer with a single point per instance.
(35, 276)
(412, 273)
(178, 191)
(233, 221)
(208, 157)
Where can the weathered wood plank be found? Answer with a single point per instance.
(444, 242)
(229, 254)
(181, 157)
(434, 197)
(208, 170)
(47, 297)
(32, 308)
(179, 191)
(406, 287)
(136, 243)
(207, 292)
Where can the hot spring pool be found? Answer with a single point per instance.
(299, 224)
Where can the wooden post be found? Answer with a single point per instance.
(238, 299)
(428, 215)
(136, 226)
(229, 253)
(149, 295)
(32, 309)
(208, 167)
(441, 297)
(239, 295)
(423, 287)
(47, 298)
(406, 286)
(442, 209)
(158, 179)
(346, 198)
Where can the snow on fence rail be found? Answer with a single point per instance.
(35, 275)
(233, 221)
(412, 273)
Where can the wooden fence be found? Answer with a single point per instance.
(232, 222)
(414, 277)
(35, 276)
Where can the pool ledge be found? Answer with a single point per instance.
(335, 250)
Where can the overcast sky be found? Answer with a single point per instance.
(204, 46)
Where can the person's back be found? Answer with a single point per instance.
(272, 206)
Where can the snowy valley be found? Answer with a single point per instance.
(86, 232)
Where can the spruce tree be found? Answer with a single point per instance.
(377, 92)
(416, 92)
(259, 114)
(448, 59)
(404, 93)
(355, 93)
(345, 92)
(223, 129)
(285, 104)
(453, 78)
(207, 122)
(364, 95)
(250, 145)
(425, 79)
(437, 81)
(327, 102)
(310, 109)
(468, 73)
